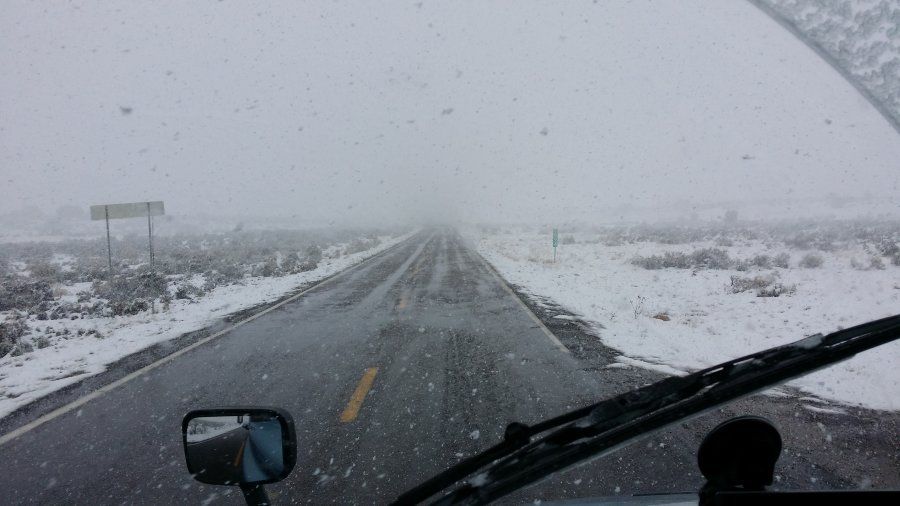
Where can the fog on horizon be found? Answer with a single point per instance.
(363, 113)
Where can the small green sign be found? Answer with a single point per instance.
(555, 237)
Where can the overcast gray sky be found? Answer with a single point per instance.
(390, 111)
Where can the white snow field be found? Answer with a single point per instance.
(707, 322)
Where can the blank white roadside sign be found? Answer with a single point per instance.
(132, 210)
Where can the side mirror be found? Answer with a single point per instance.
(239, 446)
(740, 454)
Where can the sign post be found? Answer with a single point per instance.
(132, 210)
(150, 233)
(108, 244)
(555, 242)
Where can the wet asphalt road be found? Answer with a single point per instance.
(455, 356)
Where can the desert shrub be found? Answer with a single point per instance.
(876, 263)
(129, 286)
(355, 246)
(307, 265)
(223, 274)
(361, 244)
(11, 332)
(43, 270)
(131, 293)
(5, 348)
(223, 258)
(652, 262)
(895, 259)
(310, 259)
(782, 260)
(706, 258)
(187, 291)
(23, 293)
(41, 342)
(812, 239)
(711, 258)
(230, 272)
(188, 261)
(61, 311)
(676, 259)
(21, 348)
(811, 261)
(805, 235)
(724, 241)
(290, 263)
(184, 253)
(757, 261)
(657, 233)
(268, 268)
(89, 270)
(58, 291)
(669, 259)
(888, 247)
(761, 261)
(314, 253)
(740, 284)
(129, 307)
(776, 290)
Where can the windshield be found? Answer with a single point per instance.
(411, 224)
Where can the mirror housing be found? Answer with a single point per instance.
(239, 445)
(740, 453)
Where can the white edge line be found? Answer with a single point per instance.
(9, 436)
(553, 338)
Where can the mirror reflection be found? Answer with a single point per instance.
(235, 449)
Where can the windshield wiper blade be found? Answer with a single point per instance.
(602, 427)
(516, 436)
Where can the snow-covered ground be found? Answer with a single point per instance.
(32, 375)
(707, 322)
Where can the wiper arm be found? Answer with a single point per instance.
(603, 426)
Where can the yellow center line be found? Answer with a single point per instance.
(356, 400)
(402, 303)
(240, 453)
